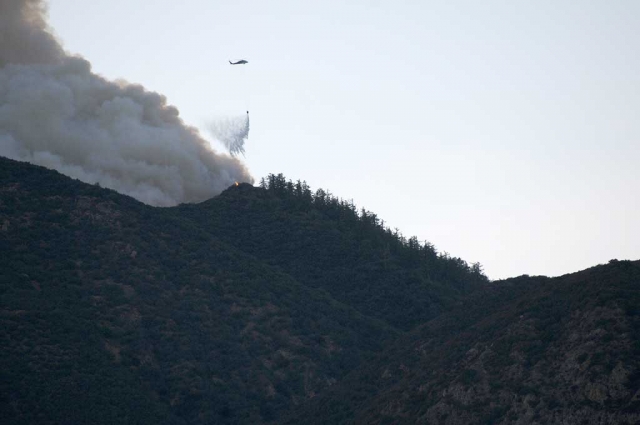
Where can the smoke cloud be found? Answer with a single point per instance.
(232, 132)
(55, 112)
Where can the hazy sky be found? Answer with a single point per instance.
(502, 132)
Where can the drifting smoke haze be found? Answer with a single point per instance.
(56, 113)
(232, 132)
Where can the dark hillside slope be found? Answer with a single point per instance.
(115, 312)
(325, 243)
(528, 351)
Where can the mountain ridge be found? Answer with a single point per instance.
(501, 361)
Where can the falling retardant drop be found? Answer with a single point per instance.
(232, 132)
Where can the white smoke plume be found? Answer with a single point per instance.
(232, 132)
(55, 112)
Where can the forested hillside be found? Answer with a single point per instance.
(276, 304)
(326, 243)
(231, 311)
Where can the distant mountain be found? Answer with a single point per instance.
(276, 304)
(529, 350)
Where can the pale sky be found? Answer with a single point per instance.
(502, 132)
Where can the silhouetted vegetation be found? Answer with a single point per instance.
(326, 243)
(299, 197)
